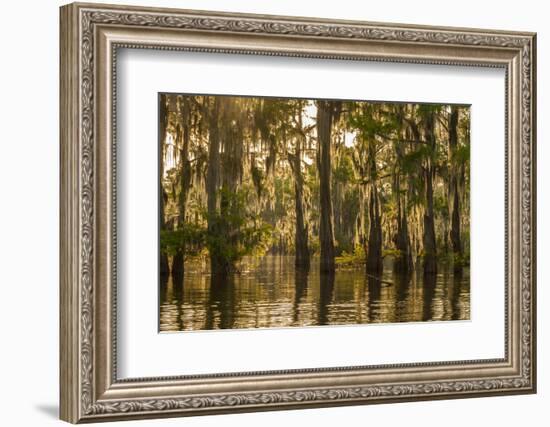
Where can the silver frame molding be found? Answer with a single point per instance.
(90, 37)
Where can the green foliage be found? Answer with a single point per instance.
(462, 260)
(233, 234)
(314, 245)
(353, 259)
(426, 109)
(189, 237)
(461, 156)
(235, 231)
(343, 172)
(440, 204)
(370, 121)
(395, 253)
(455, 259)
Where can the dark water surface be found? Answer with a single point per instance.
(271, 293)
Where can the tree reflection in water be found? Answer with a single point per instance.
(276, 294)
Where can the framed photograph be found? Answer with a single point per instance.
(266, 212)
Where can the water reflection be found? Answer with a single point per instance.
(271, 293)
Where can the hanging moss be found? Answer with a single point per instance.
(245, 179)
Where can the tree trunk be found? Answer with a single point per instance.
(430, 261)
(430, 256)
(326, 233)
(212, 181)
(163, 113)
(403, 261)
(454, 198)
(302, 250)
(183, 138)
(374, 247)
(374, 244)
(231, 167)
(301, 233)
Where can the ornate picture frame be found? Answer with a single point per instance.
(90, 37)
